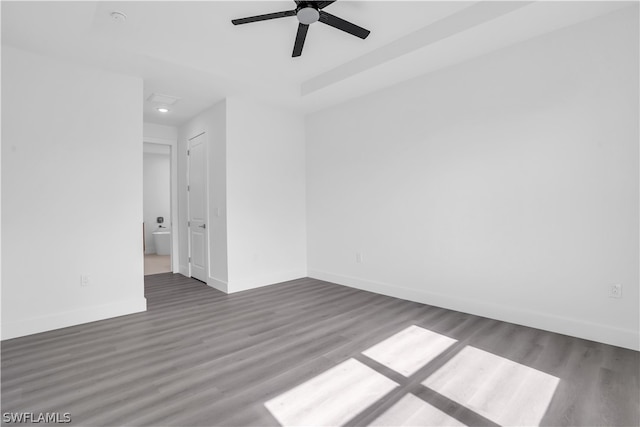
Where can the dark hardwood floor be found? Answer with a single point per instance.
(309, 352)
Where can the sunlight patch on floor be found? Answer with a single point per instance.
(413, 411)
(409, 350)
(499, 389)
(331, 398)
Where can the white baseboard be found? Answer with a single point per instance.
(218, 284)
(258, 282)
(626, 338)
(72, 318)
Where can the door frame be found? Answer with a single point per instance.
(175, 232)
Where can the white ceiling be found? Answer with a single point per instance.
(192, 51)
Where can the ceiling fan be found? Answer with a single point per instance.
(307, 13)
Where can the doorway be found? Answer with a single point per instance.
(158, 208)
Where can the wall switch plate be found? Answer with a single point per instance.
(615, 291)
(84, 280)
(359, 257)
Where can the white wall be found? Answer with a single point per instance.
(213, 123)
(157, 194)
(256, 188)
(506, 186)
(154, 131)
(265, 195)
(71, 194)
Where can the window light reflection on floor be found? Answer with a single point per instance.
(413, 411)
(409, 350)
(499, 389)
(331, 398)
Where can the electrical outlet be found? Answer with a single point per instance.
(615, 291)
(358, 257)
(84, 280)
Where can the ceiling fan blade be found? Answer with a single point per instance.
(257, 18)
(343, 25)
(302, 34)
(323, 4)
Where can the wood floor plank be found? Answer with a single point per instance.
(200, 357)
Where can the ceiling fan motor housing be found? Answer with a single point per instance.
(307, 13)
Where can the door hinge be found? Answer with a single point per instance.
(189, 259)
(188, 188)
(188, 223)
(188, 152)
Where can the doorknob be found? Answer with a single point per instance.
(203, 226)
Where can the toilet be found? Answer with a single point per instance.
(162, 240)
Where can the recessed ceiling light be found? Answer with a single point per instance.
(163, 109)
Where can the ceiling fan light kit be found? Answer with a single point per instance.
(308, 12)
(308, 15)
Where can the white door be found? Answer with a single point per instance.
(197, 208)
